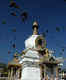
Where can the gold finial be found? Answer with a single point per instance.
(35, 28)
(35, 23)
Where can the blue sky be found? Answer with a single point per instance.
(49, 13)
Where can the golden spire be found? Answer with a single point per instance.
(35, 28)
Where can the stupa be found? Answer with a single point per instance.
(36, 61)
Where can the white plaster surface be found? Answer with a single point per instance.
(31, 73)
(31, 54)
(30, 42)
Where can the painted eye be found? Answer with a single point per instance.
(40, 42)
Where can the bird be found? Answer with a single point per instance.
(57, 29)
(24, 16)
(44, 34)
(47, 31)
(63, 49)
(64, 0)
(13, 30)
(13, 13)
(12, 4)
(14, 46)
(9, 52)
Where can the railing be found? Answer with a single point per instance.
(3, 78)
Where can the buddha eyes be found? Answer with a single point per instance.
(39, 42)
